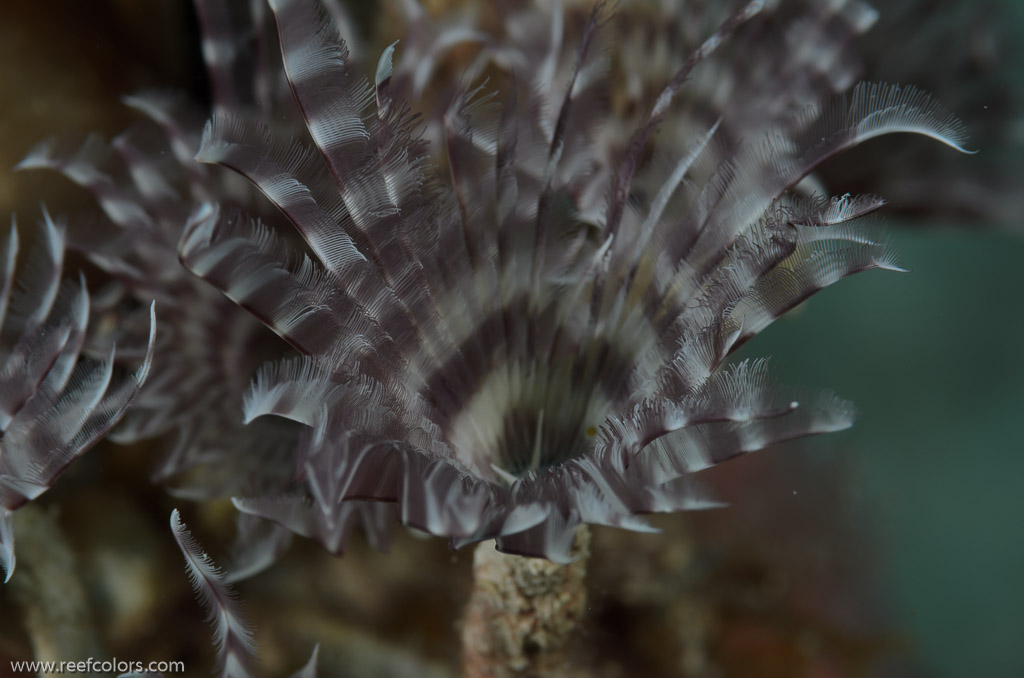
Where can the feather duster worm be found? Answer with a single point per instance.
(803, 51)
(145, 183)
(970, 57)
(232, 634)
(535, 340)
(55, 401)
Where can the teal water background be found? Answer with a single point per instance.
(933, 359)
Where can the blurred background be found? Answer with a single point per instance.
(893, 549)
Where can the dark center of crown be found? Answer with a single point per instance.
(527, 417)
